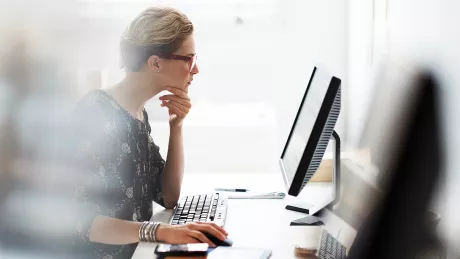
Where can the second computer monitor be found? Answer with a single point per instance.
(311, 131)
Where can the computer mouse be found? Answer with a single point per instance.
(218, 242)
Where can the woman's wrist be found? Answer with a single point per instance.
(138, 229)
(160, 233)
(175, 128)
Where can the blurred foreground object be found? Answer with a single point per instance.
(34, 100)
(403, 133)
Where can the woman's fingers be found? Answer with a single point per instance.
(179, 106)
(207, 228)
(178, 92)
(173, 109)
(190, 240)
(221, 229)
(182, 101)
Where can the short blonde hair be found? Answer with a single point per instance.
(156, 31)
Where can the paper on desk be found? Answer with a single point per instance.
(256, 195)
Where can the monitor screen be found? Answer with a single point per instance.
(304, 123)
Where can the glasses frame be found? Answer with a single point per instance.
(190, 59)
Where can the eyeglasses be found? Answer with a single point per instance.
(191, 59)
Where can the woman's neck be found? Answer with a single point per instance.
(132, 93)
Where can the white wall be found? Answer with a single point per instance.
(427, 32)
(313, 33)
(359, 66)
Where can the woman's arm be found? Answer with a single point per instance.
(173, 172)
(113, 231)
(178, 104)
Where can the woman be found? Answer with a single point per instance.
(120, 170)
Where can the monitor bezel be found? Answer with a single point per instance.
(294, 186)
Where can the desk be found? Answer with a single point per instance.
(256, 223)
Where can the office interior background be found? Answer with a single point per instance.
(255, 58)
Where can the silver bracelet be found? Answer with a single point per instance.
(142, 231)
(154, 230)
(147, 231)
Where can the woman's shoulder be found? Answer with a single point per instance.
(96, 101)
(96, 98)
(95, 106)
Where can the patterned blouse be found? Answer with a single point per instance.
(119, 169)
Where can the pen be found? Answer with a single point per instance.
(230, 190)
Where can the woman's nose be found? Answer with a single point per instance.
(195, 70)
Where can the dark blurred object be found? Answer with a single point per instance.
(404, 135)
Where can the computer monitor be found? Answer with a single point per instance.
(309, 137)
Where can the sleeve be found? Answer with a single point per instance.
(90, 193)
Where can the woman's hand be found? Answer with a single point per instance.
(189, 233)
(178, 104)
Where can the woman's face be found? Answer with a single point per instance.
(178, 70)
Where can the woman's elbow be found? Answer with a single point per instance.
(170, 206)
(170, 202)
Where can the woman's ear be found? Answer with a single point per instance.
(154, 62)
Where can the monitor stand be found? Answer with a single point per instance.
(313, 210)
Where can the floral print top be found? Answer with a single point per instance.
(118, 170)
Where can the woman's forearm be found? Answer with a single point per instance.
(114, 231)
(174, 168)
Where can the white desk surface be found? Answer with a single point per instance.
(255, 222)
